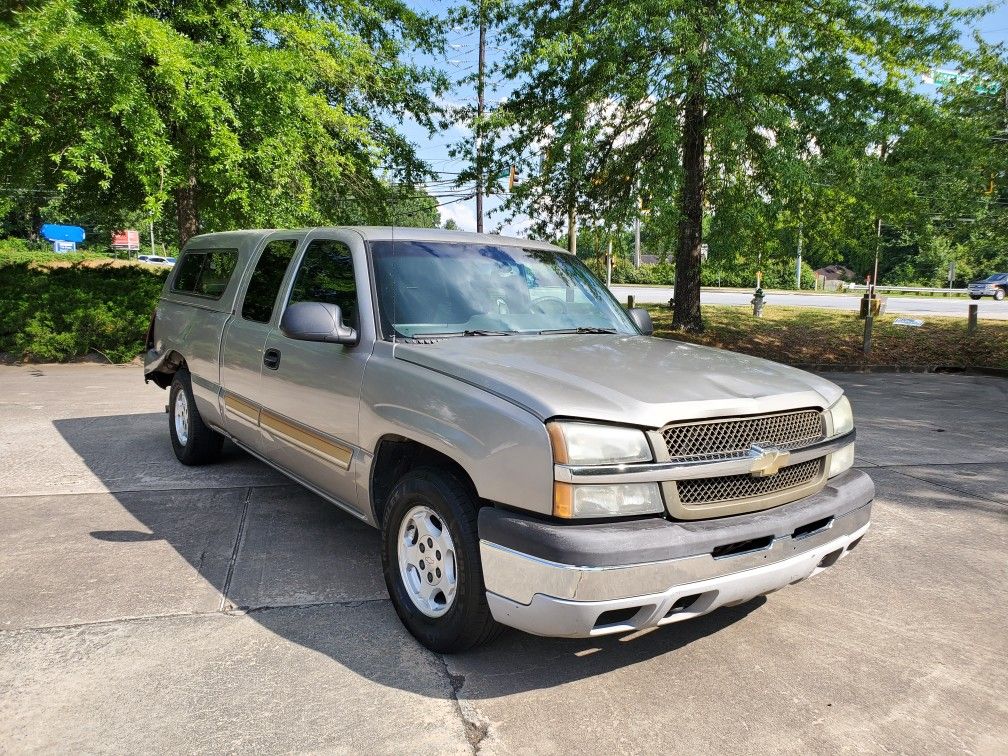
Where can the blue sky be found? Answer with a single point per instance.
(460, 60)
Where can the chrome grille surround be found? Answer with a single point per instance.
(713, 440)
(736, 487)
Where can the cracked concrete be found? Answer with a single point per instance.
(149, 606)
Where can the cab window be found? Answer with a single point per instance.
(264, 285)
(326, 275)
(204, 272)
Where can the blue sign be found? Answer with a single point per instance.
(64, 246)
(54, 232)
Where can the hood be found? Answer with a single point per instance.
(628, 379)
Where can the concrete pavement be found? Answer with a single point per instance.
(121, 571)
(912, 306)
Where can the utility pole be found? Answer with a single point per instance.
(152, 250)
(480, 104)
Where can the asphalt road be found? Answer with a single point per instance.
(910, 306)
(150, 607)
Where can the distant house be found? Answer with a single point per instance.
(835, 273)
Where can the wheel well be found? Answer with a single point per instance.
(395, 456)
(166, 370)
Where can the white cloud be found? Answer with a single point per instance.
(461, 213)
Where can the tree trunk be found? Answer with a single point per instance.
(185, 209)
(34, 222)
(686, 312)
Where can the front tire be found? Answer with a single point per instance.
(430, 559)
(975, 296)
(193, 441)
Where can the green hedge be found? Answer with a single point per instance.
(54, 308)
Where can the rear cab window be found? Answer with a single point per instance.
(205, 272)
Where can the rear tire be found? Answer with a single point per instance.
(999, 294)
(193, 441)
(444, 606)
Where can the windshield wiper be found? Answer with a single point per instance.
(473, 332)
(579, 329)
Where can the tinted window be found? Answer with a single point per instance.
(327, 275)
(261, 294)
(188, 272)
(204, 272)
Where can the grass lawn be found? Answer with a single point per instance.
(831, 338)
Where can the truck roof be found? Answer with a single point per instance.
(375, 233)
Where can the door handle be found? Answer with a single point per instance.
(271, 358)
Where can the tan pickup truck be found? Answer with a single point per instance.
(532, 456)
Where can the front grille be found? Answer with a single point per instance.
(732, 487)
(730, 439)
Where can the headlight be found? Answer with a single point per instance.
(841, 461)
(588, 444)
(618, 500)
(843, 417)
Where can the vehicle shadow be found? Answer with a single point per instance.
(311, 574)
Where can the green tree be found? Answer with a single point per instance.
(701, 105)
(218, 114)
(414, 208)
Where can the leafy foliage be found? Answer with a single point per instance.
(766, 117)
(213, 115)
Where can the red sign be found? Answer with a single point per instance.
(126, 239)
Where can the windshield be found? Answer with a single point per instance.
(458, 289)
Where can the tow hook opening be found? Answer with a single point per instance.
(742, 547)
(812, 527)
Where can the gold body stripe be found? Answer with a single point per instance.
(298, 435)
(307, 439)
(241, 407)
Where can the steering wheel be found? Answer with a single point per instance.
(550, 306)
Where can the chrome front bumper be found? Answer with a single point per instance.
(553, 598)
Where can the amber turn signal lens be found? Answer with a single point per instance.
(563, 500)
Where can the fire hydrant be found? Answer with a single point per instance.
(757, 303)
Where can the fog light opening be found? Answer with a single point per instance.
(683, 603)
(855, 542)
(615, 617)
(830, 559)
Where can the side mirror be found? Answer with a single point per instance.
(642, 319)
(316, 321)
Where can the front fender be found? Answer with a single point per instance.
(503, 447)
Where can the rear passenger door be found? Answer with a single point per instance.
(311, 396)
(244, 343)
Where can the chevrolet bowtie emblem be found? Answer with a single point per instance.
(767, 461)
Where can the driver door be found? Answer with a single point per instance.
(311, 395)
